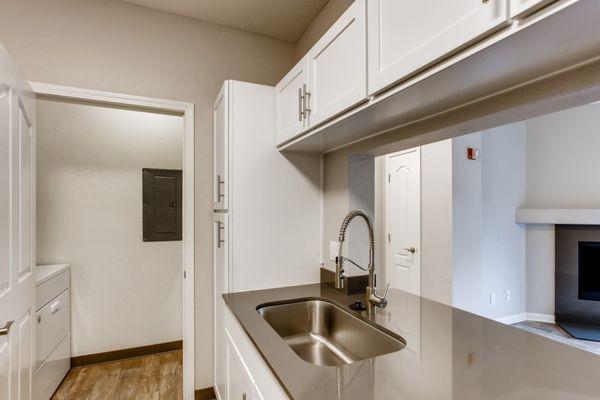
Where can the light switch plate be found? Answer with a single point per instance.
(334, 248)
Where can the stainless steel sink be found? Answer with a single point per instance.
(322, 333)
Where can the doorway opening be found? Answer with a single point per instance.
(131, 297)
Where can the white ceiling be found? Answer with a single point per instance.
(281, 19)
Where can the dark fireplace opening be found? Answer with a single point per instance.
(589, 271)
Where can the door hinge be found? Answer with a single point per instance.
(184, 274)
(389, 238)
(389, 177)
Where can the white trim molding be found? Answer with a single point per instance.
(575, 216)
(515, 318)
(187, 111)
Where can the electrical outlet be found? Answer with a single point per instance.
(334, 248)
(493, 298)
(508, 295)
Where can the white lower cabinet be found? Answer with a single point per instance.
(240, 385)
(248, 376)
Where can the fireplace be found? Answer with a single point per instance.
(577, 292)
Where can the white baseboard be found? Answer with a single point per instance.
(513, 319)
(540, 317)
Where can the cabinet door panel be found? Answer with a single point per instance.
(290, 119)
(239, 384)
(337, 66)
(406, 36)
(521, 6)
(221, 149)
(221, 285)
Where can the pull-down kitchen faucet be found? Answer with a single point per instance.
(373, 300)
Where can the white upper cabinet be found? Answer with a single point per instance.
(221, 149)
(337, 67)
(521, 6)
(405, 36)
(289, 103)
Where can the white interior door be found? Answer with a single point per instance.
(17, 245)
(403, 221)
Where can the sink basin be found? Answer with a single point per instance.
(322, 333)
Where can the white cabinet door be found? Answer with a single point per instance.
(239, 384)
(521, 6)
(403, 221)
(221, 285)
(405, 36)
(257, 394)
(337, 66)
(289, 103)
(221, 149)
(17, 232)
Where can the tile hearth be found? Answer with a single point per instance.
(554, 332)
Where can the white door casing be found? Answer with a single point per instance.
(403, 220)
(406, 36)
(17, 231)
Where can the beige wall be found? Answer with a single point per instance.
(115, 46)
(124, 292)
(328, 15)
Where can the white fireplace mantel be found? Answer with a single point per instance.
(558, 216)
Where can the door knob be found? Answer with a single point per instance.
(411, 249)
(6, 329)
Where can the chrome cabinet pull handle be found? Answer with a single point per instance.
(220, 195)
(300, 105)
(6, 329)
(307, 95)
(220, 228)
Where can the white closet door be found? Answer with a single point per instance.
(403, 221)
(405, 36)
(17, 232)
(337, 66)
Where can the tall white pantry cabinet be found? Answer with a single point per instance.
(267, 212)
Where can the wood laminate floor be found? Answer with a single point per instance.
(154, 377)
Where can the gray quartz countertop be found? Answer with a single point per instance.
(450, 355)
